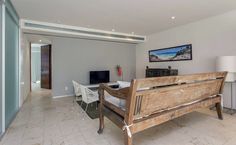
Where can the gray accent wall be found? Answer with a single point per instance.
(210, 37)
(72, 59)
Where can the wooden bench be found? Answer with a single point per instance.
(152, 101)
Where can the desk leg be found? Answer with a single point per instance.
(231, 111)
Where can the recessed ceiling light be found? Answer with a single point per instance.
(40, 40)
(173, 17)
(113, 30)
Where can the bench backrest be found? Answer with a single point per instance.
(154, 95)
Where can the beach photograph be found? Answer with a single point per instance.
(177, 53)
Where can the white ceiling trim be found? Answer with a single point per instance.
(36, 27)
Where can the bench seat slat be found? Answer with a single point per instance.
(165, 116)
(169, 97)
(170, 80)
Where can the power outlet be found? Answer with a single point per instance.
(66, 88)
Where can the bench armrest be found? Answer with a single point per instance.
(118, 93)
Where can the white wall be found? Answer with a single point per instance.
(24, 68)
(72, 59)
(210, 37)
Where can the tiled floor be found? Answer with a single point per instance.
(35, 86)
(46, 121)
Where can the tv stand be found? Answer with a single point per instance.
(160, 72)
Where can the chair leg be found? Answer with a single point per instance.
(86, 108)
(96, 105)
(74, 100)
(101, 119)
(219, 111)
(81, 106)
(128, 140)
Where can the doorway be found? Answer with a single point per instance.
(41, 74)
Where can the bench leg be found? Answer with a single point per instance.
(128, 140)
(101, 119)
(219, 111)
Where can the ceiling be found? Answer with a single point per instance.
(142, 17)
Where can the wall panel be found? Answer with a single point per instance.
(11, 64)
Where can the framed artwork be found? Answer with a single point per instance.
(177, 53)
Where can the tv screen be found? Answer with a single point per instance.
(97, 77)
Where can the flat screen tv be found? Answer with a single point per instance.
(97, 77)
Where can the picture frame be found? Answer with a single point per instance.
(177, 53)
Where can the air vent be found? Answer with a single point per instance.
(36, 27)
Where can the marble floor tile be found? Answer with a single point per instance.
(46, 121)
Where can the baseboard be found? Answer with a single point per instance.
(63, 96)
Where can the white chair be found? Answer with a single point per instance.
(77, 91)
(123, 84)
(88, 96)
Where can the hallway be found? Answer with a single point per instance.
(46, 121)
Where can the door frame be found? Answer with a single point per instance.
(30, 58)
(3, 8)
(30, 66)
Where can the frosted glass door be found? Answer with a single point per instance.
(1, 35)
(11, 69)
